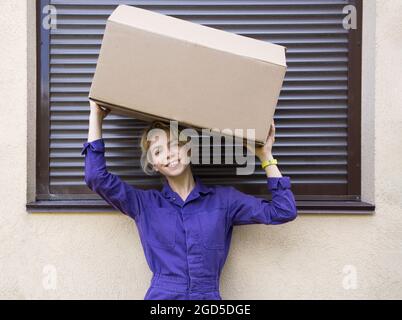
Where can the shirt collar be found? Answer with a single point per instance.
(199, 188)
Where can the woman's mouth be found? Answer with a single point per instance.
(173, 164)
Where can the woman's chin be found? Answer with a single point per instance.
(174, 172)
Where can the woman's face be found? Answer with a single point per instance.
(168, 157)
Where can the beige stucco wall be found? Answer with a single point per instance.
(100, 255)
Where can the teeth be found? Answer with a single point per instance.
(173, 164)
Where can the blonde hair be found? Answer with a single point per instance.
(145, 143)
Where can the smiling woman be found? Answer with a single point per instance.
(157, 135)
(186, 228)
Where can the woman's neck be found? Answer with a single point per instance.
(182, 184)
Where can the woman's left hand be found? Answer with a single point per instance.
(265, 152)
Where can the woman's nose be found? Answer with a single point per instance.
(172, 152)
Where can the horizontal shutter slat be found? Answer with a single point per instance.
(311, 117)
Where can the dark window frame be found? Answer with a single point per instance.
(351, 203)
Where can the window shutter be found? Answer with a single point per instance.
(312, 117)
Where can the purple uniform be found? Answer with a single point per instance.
(186, 242)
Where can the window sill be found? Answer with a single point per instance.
(303, 207)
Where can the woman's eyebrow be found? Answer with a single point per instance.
(154, 147)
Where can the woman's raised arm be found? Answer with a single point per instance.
(122, 196)
(247, 209)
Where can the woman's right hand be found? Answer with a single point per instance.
(98, 111)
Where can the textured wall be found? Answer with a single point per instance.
(100, 256)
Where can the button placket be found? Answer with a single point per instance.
(194, 250)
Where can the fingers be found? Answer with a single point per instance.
(92, 103)
(250, 147)
(273, 129)
(98, 108)
(95, 105)
(106, 110)
(271, 134)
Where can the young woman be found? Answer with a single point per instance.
(186, 228)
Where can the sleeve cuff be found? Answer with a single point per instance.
(279, 183)
(95, 145)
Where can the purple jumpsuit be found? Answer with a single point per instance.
(186, 243)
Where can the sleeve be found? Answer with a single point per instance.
(119, 194)
(247, 209)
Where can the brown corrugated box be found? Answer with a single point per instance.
(153, 66)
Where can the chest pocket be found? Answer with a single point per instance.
(159, 227)
(212, 224)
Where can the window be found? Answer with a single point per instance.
(318, 116)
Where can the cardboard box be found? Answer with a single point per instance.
(153, 66)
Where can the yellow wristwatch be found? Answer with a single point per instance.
(267, 163)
